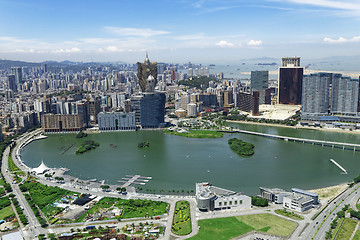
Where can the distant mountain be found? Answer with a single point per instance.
(9, 63)
(264, 59)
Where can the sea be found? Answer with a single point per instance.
(348, 66)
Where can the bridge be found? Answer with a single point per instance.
(341, 145)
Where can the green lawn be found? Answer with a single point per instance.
(221, 229)
(6, 212)
(357, 235)
(227, 228)
(13, 168)
(182, 218)
(278, 225)
(289, 214)
(347, 229)
(198, 134)
(2, 183)
(2, 191)
(358, 207)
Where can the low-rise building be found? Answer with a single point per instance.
(314, 196)
(298, 202)
(116, 121)
(274, 195)
(210, 198)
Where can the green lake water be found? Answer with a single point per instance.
(177, 163)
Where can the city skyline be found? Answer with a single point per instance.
(177, 31)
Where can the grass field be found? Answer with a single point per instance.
(182, 219)
(6, 212)
(358, 207)
(289, 214)
(347, 229)
(198, 134)
(13, 168)
(2, 182)
(227, 228)
(276, 225)
(357, 235)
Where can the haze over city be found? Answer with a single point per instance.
(177, 31)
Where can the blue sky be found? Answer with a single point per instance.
(177, 31)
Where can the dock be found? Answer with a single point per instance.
(339, 166)
(134, 179)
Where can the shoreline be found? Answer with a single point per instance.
(87, 184)
(295, 127)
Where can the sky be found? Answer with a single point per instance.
(207, 31)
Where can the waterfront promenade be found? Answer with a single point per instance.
(341, 145)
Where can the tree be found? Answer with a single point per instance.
(104, 187)
(258, 201)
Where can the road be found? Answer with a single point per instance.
(317, 228)
(34, 228)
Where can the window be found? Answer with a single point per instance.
(235, 202)
(220, 203)
(240, 202)
(225, 203)
(230, 203)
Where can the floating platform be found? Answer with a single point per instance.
(134, 179)
(339, 166)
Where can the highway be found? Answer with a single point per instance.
(318, 227)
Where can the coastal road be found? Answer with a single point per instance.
(34, 227)
(318, 227)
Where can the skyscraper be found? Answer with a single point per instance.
(345, 94)
(17, 72)
(259, 80)
(149, 109)
(145, 70)
(290, 82)
(11, 82)
(316, 93)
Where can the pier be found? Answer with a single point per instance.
(339, 166)
(344, 146)
(134, 179)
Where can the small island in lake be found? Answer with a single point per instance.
(87, 146)
(196, 133)
(240, 147)
(143, 145)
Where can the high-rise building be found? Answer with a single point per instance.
(149, 109)
(17, 72)
(145, 70)
(291, 62)
(345, 94)
(290, 85)
(259, 80)
(61, 123)
(248, 102)
(316, 94)
(11, 82)
(94, 109)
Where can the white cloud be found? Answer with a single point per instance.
(344, 4)
(113, 49)
(342, 40)
(139, 32)
(68, 50)
(254, 43)
(224, 44)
